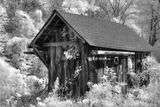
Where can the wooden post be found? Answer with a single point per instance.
(86, 67)
(126, 71)
(83, 79)
(141, 57)
(52, 70)
(79, 80)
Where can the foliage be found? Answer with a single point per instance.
(101, 95)
(78, 7)
(14, 50)
(3, 20)
(117, 10)
(105, 94)
(3, 17)
(154, 81)
(14, 85)
(22, 76)
(11, 82)
(36, 67)
(26, 25)
(36, 17)
(20, 23)
(149, 19)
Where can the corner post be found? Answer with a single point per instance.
(51, 72)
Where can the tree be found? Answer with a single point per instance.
(149, 19)
(49, 5)
(76, 7)
(154, 23)
(117, 10)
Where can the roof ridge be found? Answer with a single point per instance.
(94, 18)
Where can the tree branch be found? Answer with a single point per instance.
(127, 15)
(155, 23)
(118, 7)
(126, 8)
(104, 9)
(111, 5)
(158, 29)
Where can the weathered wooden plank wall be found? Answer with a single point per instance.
(65, 69)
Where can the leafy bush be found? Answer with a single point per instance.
(11, 82)
(14, 50)
(36, 67)
(148, 96)
(100, 95)
(34, 84)
(16, 87)
(106, 95)
(27, 28)
(3, 17)
(37, 17)
(154, 86)
(21, 25)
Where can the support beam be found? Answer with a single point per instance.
(83, 72)
(106, 52)
(55, 44)
(29, 52)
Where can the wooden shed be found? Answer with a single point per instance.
(78, 49)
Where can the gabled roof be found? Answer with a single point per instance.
(101, 33)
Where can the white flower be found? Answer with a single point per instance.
(38, 98)
(117, 89)
(40, 104)
(85, 101)
(18, 95)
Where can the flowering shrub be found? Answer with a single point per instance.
(103, 94)
(11, 83)
(14, 51)
(35, 67)
(14, 85)
(71, 53)
(35, 84)
(154, 86)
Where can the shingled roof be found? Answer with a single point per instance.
(102, 33)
